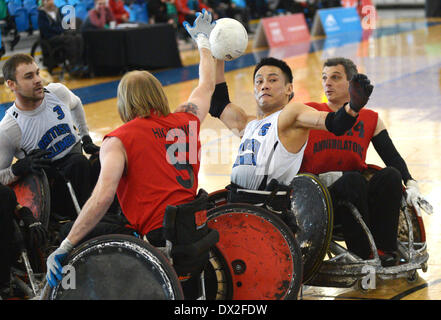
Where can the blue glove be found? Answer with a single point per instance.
(201, 29)
(54, 263)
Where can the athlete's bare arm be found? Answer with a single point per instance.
(113, 160)
(199, 101)
(233, 116)
(295, 121)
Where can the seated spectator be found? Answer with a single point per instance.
(172, 11)
(258, 8)
(232, 9)
(99, 17)
(117, 8)
(163, 11)
(187, 10)
(49, 21)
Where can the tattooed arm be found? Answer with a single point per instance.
(188, 107)
(199, 101)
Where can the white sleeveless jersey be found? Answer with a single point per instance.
(49, 127)
(261, 153)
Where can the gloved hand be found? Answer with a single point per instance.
(415, 199)
(37, 233)
(201, 29)
(88, 146)
(31, 163)
(54, 263)
(360, 89)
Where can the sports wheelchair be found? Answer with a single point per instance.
(242, 244)
(28, 271)
(52, 57)
(344, 269)
(326, 262)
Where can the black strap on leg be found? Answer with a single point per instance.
(186, 227)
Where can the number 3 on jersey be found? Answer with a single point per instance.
(59, 111)
(180, 166)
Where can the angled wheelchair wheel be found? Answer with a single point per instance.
(117, 267)
(217, 276)
(32, 191)
(312, 207)
(260, 252)
(419, 233)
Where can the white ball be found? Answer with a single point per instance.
(228, 40)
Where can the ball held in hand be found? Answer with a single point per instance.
(228, 40)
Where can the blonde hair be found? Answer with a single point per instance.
(139, 92)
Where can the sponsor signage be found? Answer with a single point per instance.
(281, 31)
(336, 20)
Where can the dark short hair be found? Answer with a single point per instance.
(277, 63)
(11, 65)
(348, 64)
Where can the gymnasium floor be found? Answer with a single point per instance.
(402, 57)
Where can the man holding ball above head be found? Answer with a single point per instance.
(144, 191)
(273, 141)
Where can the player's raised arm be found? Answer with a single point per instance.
(199, 101)
(232, 115)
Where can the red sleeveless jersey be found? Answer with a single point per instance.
(163, 166)
(327, 152)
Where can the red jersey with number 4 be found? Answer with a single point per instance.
(163, 166)
(327, 152)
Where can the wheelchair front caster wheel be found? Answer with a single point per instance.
(413, 276)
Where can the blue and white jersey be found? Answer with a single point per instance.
(261, 153)
(48, 127)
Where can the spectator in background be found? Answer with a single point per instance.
(117, 8)
(258, 8)
(235, 9)
(187, 10)
(163, 11)
(99, 17)
(49, 21)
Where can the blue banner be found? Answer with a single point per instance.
(339, 20)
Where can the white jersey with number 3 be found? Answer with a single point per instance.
(49, 127)
(261, 154)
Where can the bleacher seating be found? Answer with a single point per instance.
(138, 13)
(81, 10)
(60, 3)
(31, 7)
(73, 2)
(21, 19)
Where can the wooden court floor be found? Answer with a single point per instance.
(403, 60)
